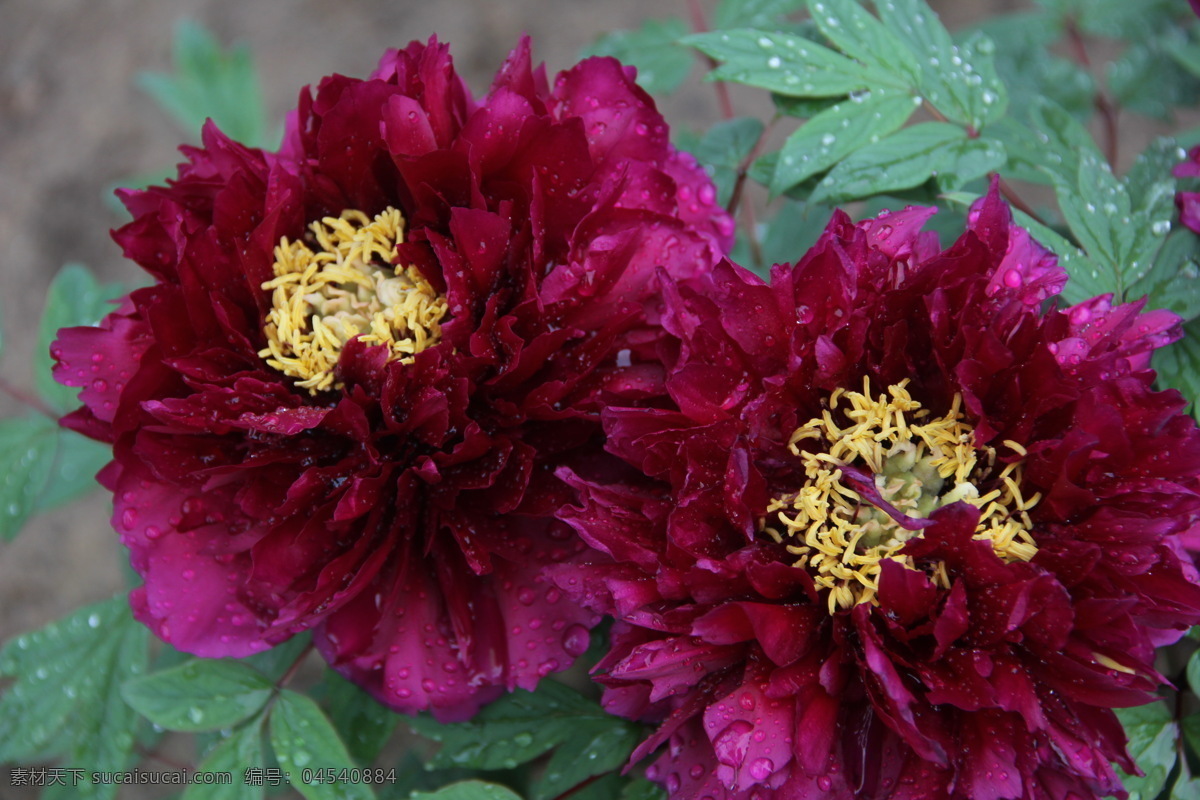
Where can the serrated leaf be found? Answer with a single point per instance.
(764, 14)
(785, 64)
(1028, 68)
(837, 132)
(65, 699)
(1146, 80)
(1174, 280)
(662, 64)
(236, 753)
(516, 728)
(1100, 212)
(27, 448)
(469, 790)
(1193, 672)
(958, 79)
(200, 695)
(592, 751)
(903, 160)
(303, 738)
(210, 82)
(858, 34)
(362, 722)
(1178, 365)
(1151, 734)
(75, 297)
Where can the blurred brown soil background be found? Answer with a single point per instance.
(72, 122)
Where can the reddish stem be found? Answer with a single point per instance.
(1105, 106)
(286, 678)
(1012, 197)
(700, 25)
(27, 399)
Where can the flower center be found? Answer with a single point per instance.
(338, 284)
(919, 465)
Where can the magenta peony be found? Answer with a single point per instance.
(1188, 203)
(892, 528)
(341, 404)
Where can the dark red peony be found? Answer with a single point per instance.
(1188, 203)
(893, 529)
(341, 404)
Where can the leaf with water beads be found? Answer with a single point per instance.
(593, 750)
(1178, 367)
(662, 65)
(1152, 735)
(1173, 282)
(786, 64)
(27, 447)
(837, 132)
(66, 699)
(200, 695)
(860, 35)
(469, 790)
(958, 79)
(522, 726)
(365, 725)
(304, 739)
(723, 148)
(240, 751)
(75, 297)
(765, 14)
(909, 158)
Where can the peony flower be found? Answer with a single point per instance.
(341, 404)
(893, 528)
(1188, 203)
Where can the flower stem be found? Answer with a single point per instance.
(1105, 105)
(27, 399)
(1012, 197)
(286, 678)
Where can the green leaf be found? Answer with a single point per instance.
(516, 728)
(200, 695)
(363, 724)
(1120, 237)
(764, 14)
(1193, 671)
(75, 297)
(1178, 365)
(654, 49)
(77, 459)
(1174, 280)
(858, 34)
(275, 662)
(65, 700)
(27, 449)
(785, 64)
(837, 132)
(1152, 744)
(1186, 786)
(958, 79)
(469, 790)
(236, 753)
(593, 750)
(209, 82)
(1029, 69)
(723, 149)
(1191, 732)
(903, 160)
(303, 738)
(642, 789)
(1145, 79)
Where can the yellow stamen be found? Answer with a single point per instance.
(920, 464)
(346, 288)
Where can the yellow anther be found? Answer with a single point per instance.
(919, 464)
(346, 288)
